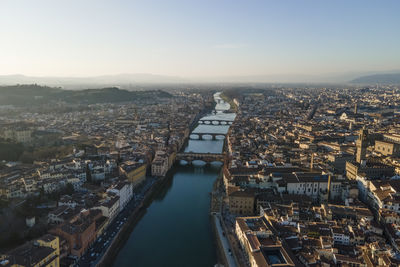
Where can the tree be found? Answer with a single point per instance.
(10, 151)
(26, 157)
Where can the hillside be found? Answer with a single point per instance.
(120, 80)
(35, 95)
(393, 78)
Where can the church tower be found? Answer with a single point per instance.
(361, 144)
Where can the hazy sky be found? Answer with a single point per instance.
(198, 38)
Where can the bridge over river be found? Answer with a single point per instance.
(183, 188)
(206, 157)
(200, 136)
(215, 122)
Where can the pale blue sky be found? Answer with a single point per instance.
(198, 38)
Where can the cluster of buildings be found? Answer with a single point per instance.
(312, 177)
(109, 140)
(17, 132)
(21, 181)
(44, 251)
(78, 220)
(115, 148)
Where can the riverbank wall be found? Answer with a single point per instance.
(221, 254)
(123, 234)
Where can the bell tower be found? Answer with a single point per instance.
(361, 144)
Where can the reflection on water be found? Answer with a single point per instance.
(221, 104)
(205, 146)
(203, 128)
(212, 146)
(220, 116)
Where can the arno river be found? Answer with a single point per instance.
(176, 229)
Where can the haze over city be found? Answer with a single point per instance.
(260, 41)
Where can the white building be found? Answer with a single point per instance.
(109, 207)
(314, 185)
(340, 236)
(125, 192)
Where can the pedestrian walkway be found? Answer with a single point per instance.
(224, 241)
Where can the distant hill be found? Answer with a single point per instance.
(393, 78)
(138, 81)
(118, 80)
(35, 95)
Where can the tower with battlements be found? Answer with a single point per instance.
(362, 144)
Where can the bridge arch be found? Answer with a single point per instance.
(206, 136)
(208, 158)
(215, 122)
(194, 136)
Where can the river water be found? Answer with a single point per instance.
(176, 228)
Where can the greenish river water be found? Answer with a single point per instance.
(176, 228)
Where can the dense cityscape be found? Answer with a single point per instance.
(308, 176)
(229, 133)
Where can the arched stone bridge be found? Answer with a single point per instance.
(215, 122)
(206, 157)
(201, 135)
